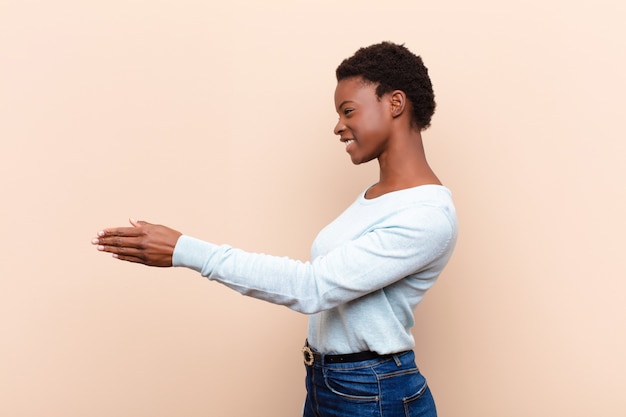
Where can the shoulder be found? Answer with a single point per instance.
(419, 199)
(424, 210)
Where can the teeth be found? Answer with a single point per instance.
(349, 141)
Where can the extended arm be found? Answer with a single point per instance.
(378, 258)
(373, 261)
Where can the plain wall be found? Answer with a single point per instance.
(216, 118)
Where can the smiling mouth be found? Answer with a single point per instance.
(347, 141)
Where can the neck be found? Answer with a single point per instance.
(404, 165)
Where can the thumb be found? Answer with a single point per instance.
(134, 222)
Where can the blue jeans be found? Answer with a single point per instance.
(387, 387)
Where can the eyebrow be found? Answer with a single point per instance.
(343, 103)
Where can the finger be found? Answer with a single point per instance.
(134, 222)
(131, 255)
(119, 241)
(126, 251)
(120, 231)
(128, 258)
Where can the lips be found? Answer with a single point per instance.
(347, 142)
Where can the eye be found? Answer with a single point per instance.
(347, 111)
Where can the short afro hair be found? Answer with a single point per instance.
(394, 67)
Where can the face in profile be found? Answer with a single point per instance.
(364, 119)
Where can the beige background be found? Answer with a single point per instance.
(216, 118)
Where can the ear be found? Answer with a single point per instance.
(398, 103)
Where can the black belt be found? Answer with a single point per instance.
(311, 356)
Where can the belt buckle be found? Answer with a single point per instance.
(308, 356)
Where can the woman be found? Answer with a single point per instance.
(370, 267)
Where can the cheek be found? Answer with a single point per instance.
(377, 118)
(374, 125)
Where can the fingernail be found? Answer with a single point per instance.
(100, 247)
(101, 233)
(95, 241)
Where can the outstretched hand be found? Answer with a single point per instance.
(144, 243)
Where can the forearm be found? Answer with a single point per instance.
(278, 280)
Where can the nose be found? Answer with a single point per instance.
(339, 128)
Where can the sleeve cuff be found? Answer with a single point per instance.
(192, 253)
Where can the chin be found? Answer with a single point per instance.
(356, 160)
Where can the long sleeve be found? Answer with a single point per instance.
(404, 243)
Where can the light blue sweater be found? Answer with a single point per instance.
(370, 268)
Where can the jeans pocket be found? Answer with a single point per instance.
(420, 403)
(354, 384)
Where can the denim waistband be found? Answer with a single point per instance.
(312, 356)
